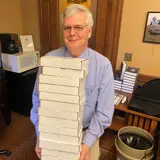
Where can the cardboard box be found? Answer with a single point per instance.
(56, 158)
(64, 81)
(59, 146)
(61, 106)
(64, 62)
(63, 155)
(63, 72)
(61, 97)
(62, 131)
(61, 123)
(42, 87)
(60, 114)
(49, 137)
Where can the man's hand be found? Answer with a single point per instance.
(84, 152)
(38, 150)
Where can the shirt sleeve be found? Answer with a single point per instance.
(103, 114)
(35, 103)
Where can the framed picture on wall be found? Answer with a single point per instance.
(152, 28)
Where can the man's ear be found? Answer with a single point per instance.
(90, 33)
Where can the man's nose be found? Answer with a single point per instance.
(72, 31)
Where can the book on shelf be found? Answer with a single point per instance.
(126, 79)
(130, 76)
(126, 90)
(117, 79)
(129, 83)
(117, 84)
(122, 69)
(117, 88)
(127, 86)
(132, 71)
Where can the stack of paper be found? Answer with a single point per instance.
(62, 98)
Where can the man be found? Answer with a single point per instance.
(77, 25)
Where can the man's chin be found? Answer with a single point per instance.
(72, 46)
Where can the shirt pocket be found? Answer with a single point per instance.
(91, 94)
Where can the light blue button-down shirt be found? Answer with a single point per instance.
(99, 92)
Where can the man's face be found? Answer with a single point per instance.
(76, 32)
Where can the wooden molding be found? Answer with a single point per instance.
(146, 78)
(109, 15)
(49, 25)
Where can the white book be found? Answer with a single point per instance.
(126, 79)
(130, 76)
(125, 90)
(117, 89)
(61, 123)
(127, 86)
(59, 114)
(44, 157)
(118, 85)
(49, 137)
(59, 146)
(129, 83)
(64, 81)
(62, 131)
(118, 81)
(64, 62)
(64, 155)
(61, 106)
(61, 97)
(62, 89)
(63, 72)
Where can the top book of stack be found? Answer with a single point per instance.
(64, 62)
(132, 71)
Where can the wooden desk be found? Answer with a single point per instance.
(133, 118)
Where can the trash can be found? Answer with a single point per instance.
(134, 143)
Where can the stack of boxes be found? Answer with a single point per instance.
(62, 98)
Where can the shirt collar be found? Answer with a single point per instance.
(83, 55)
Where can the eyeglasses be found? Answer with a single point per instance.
(77, 28)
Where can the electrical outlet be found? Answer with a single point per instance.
(128, 57)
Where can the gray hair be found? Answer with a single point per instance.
(76, 8)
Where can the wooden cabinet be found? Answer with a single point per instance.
(2, 122)
(125, 117)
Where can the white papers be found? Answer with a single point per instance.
(27, 43)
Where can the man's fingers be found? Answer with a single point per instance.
(82, 156)
(38, 152)
(87, 157)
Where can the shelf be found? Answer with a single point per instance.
(117, 123)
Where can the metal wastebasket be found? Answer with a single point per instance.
(125, 152)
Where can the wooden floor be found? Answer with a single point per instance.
(19, 138)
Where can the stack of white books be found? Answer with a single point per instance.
(130, 79)
(62, 98)
(117, 82)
